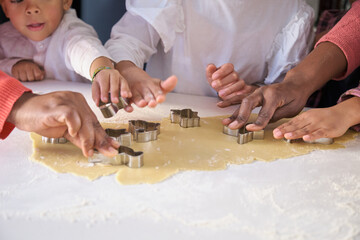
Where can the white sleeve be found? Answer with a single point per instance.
(132, 39)
(82, 46)
(291, 45)
(145, 24)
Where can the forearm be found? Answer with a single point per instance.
(324, 63)
(130, 71)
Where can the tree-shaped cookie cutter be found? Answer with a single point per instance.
(185, 117)
(143, 131)
(120, 135)
(126, 156)
(243, 135)
(109, 109)
(61, 140)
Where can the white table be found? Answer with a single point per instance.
(315, 196)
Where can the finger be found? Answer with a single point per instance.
(23, 76)
(138, 99)
(165, 86)
(223, 71)
(72, 120)
(232, 88)
(266, 112)
(293, 128)
(105, 145)
(125, 89)
(38, 73)
(95, 90)
(232, 118)
(246, 107)
(128, 108)
(104, 83)
(30, 74)
(231, 101)
(210, 69)
(300, 132)
(316, 134)
(169, 84)
(15, 73)
(115, 86)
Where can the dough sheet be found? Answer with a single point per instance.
(203, 148)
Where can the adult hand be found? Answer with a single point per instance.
(277, 101)
(62, 114)
(146, 91)
(27, 70)
(286, 99)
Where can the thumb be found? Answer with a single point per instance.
(71, 119)
(169, 84)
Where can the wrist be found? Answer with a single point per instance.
(350, 110)
(16, 111)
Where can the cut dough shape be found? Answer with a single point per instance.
(203, 148)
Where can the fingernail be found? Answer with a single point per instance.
(288, 135)
(222, 93)
(215, 84)
(90, 152)
(233, 125)
(277, 133)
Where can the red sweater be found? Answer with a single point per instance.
(346, 35)
(10, 91)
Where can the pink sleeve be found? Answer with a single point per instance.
(355, 92)
(346, 35)
(11, 90)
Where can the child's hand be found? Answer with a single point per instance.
(146, 91)
(109, 80)
(225, 80)
(321, 123)
(27, 70)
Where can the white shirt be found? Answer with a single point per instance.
(262, 38)
(65, 55)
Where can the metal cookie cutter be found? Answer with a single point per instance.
(110, 109)
(127, 156)
(185, 117)
(120, 135)
(244, 136)
(61, 140)
(325, 141)
(143, 131)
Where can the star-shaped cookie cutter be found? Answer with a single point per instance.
(143, 131)
(325, 141)
(109, 109)
(243, 135)
(185, 117)
(120, 135)
(126, 156)
(61, 140)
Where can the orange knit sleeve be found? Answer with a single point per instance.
(10, 91)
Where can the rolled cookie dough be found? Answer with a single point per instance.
(203, 148)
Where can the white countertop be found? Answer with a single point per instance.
(314, 196)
